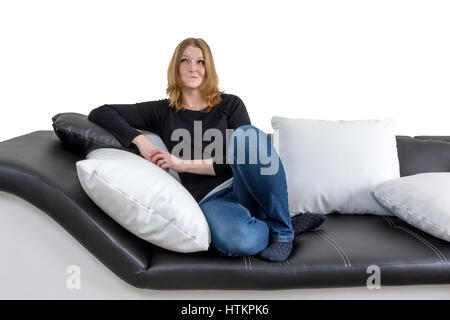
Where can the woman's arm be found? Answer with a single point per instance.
(123, 120)
(200, 166)
(165, 160)
(145, 146)
(120, 120)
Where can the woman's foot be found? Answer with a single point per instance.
(307, 221)
(277, 251)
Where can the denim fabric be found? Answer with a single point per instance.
(253, 208)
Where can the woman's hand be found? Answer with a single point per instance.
(146, 148)
(167, 161)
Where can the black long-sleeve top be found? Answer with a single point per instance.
(123, 120)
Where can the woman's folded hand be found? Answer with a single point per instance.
(167, 161)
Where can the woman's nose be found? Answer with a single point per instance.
(192, 66)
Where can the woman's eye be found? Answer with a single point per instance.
(199, 61)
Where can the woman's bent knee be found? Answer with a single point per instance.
(254, 240)
(244, 143)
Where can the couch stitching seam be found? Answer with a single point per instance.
(337, 245)
(440, 255)
(333, 245)
(436, 250)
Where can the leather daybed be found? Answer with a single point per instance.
(40, 169)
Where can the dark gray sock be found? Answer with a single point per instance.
(307, 221)
(277, 251)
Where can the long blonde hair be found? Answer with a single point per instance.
(209, 87)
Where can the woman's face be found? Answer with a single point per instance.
(192, 67)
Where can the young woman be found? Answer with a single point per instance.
(247, 211)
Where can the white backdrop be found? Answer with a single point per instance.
(336, 60)
(321, 59)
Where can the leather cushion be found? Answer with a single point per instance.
(426, 154)
(81, 136)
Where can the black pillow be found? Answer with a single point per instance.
(423, 154)
(81, 136)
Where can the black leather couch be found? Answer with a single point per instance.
(40, 169)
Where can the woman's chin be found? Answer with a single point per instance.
(191, 86)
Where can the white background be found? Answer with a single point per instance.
(336, 60)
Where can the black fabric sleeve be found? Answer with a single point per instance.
(238, 116)
(122, 120)
(222, 170)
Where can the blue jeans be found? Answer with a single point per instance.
(254, 208)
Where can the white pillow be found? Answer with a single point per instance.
(144, 199)
(333, 165)
(422, 200)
